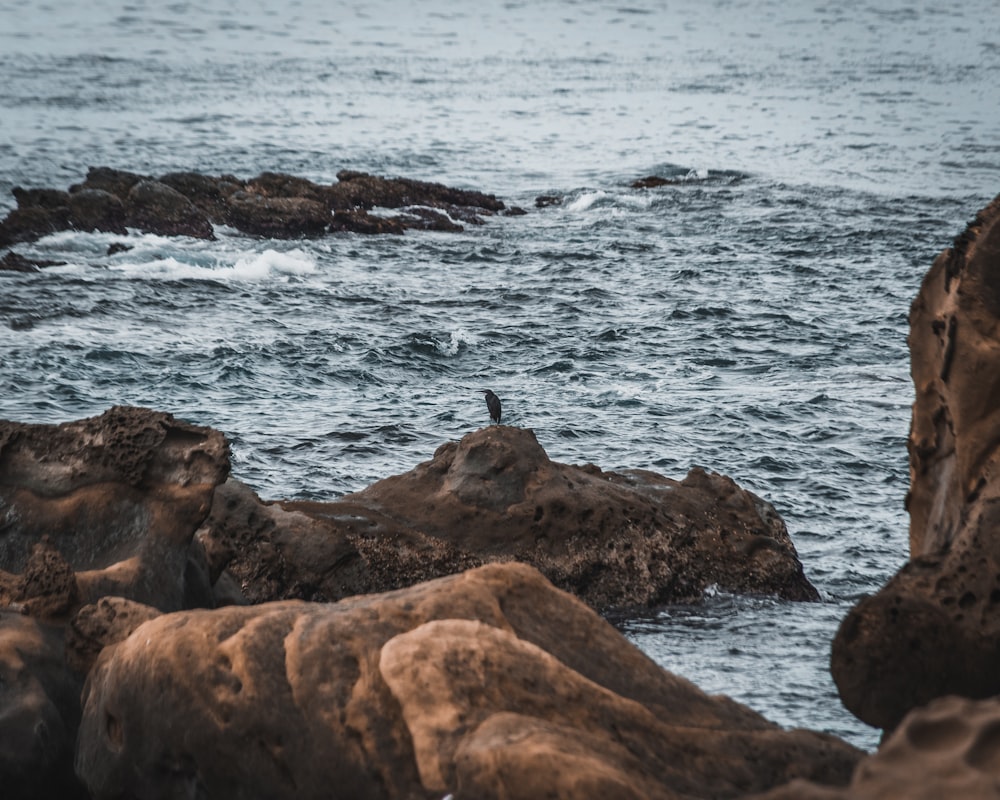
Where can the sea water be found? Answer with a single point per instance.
(749, 318)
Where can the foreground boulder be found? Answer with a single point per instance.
(486, 684)
(120, 496)
(934, 629)
(613, 539)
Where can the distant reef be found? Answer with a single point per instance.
(272, 205)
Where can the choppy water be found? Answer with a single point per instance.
(751, 319)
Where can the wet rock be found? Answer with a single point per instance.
(934, 629)
(15, 262)
(154, 207)
(115, 181)
(97, 210)
(361, 190)
(120, 496)
(615, 540)
(210, 194)
(949, 749)
(29, 224)
(653, 182)
(40, 198)
(546, 200)
(277, 184)
(489, 683)
(118, 247)
(277, 217)
(358, 220)
(39, 711)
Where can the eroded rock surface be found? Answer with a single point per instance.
(934, 629)
(948, 749)
(487, 684)
(615, 540)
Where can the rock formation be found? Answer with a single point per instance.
(614, 539)
(272, 205)
(488, 684)
(948, 749)
(934, 629)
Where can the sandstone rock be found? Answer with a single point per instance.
(154, 207)
(949, 749)
(120, 496)
(934, 629)
(277, 217)
(489, 683)
(108, 621)
(39, 711)
(97, 210)
(615, 540)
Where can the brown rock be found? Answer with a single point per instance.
(116, 181)
(949, 749)
(358, 220)
(40, 198)
(15, 262)
(39, 711)
(615, 540)
(29, 224)
(120, 496)
(154, 207)
(208, 193)
(277, 184)
(361, 190)
(487, 684)
(108, 621)
(47, 588)
(97, 210)
(934, 629)
(277, 217)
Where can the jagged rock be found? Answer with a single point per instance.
(154, 207)
(120, 496)
(361, 190)
(39, 711)
(277, 217)
(487, 684)
(97, 210)
(615, 540)
(277, 184)
(949, 749)
(934, 629)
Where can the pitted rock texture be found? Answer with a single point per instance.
(615, 540)
(119, 496)
(948, 749)
(488, 684)
(934, 629)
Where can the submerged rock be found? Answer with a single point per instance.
(934, 629)
(486, 684)
(614, 539)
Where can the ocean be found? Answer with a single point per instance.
(750, 317)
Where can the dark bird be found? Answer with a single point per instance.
(493, 404)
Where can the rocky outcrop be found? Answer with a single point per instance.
(119, 496)
(948, 749)
(613, 539)
(274, 205)
(486, 684)
(934, 629)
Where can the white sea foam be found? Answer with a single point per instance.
(249, 267)
(585, 201)
(459, 337)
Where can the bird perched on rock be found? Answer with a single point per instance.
(493, 404)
